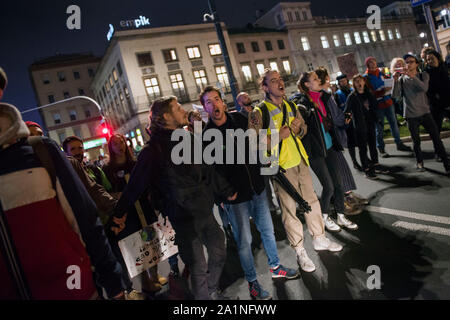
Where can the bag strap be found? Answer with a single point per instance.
(265, 115)
(41, 151)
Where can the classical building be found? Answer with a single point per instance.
(318, 41)
(62, 77)
(141, 65)
(443, 27)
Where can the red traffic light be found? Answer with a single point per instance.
(105, 130)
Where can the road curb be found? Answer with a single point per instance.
(423, 137)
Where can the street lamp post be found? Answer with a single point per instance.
(214, 16)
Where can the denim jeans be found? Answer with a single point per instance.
(390, 115)
(240, 214)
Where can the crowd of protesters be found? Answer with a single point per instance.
(91, 206)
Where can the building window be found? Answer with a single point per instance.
(66, 95)
(104, 92)
(152, 87)
(297, 16)
(268, 45)
(119, 68)
(45, 78)
(169, 55)
(127, 94)
(255, 46)
(111, 82)
(280, 22)
(76, 75)
(176, 80)
(330, 66)
(281, 44)
(382, 36)
(366, 37)
(214, 49)
(81, 92)
(62, 137)
(373, 34)
(61, 76)
(77, 132)
(200, 79)
(107, 86)
(310, 67)
(336, 41)
(114, 73)
(348, 39)
(305, 16)
(57, 118)
(247, 73)
(390, 34)
(51, 98)
(290, 16)
(325, 43)
(240, 47)
(287, 66)
(87, 113)
(91, 72)
(73, 114)
(397, 33)
(260, 67)
(222, 76)
(273, 65)
(305, 43)
(357, 37)
(193, 52)
(144, 59)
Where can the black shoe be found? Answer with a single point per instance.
(371, 175)
(438, 159)
(403, 147)
(357, 166)
(379, 169)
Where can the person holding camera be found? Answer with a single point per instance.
(360, 106)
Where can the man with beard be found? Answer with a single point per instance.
(186, 194)
(245, 103)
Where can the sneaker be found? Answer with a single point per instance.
(420, 167)
(402, 147)
(134, 295)
(344, 222)
(304, 261)
(330, 225)
(257, 292)
(383, 154)
(283, 272)
(323, 243)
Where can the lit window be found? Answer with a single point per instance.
(114, 72)
(348, 39)
(274, 65)
(193, 52)
(325, 43)
(373, 34)
(366, 37)
(305, 43)
(390, 34)
(176, 80)
(222, 76)
(260, 67)
(287, 66)
(152, 87)
(214, 49)
(111, 82)
(382, 36)
(200, 79)
(170, 55)
(357, 37)
(247, 73)
(337, 43)
(397, 33)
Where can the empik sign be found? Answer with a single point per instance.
(142, 21)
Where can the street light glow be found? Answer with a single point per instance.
(422, 35)
(444, 12)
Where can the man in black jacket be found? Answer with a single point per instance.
(187, 194)
(252, 198)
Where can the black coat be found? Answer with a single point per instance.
(314, 140)
(245, 178)
(362, 118)
(438, 88)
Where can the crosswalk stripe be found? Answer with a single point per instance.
(410, 214)
(421, 227)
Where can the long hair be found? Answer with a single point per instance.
(301, 83)
(157, 110)
(112, 155)
(322, 73)
(394, 62)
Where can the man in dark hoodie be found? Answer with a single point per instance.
(252, 198)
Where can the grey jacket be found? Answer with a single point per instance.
(415, 100)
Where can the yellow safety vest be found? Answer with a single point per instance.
(289, 156)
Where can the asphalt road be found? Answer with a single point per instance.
(404, 233)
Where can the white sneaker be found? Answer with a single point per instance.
(344, 222)
(330, 225)
(304, 261)
(323, 243)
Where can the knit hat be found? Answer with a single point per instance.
(32, 124)
(18, 129)
(342, 76)
(368, 59)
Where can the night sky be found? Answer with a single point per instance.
(32, 30)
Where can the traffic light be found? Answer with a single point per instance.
(105, 130)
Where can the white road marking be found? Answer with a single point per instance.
(409, 214)
(421, 227)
